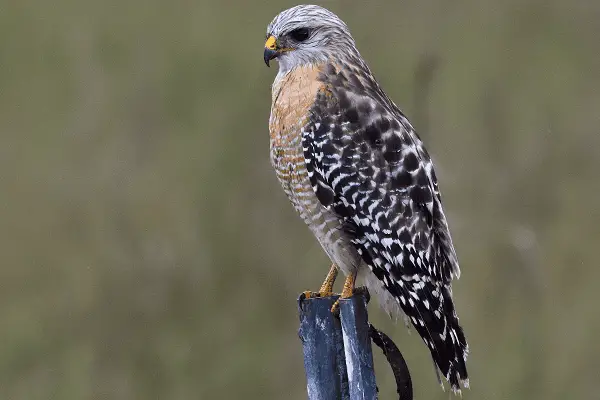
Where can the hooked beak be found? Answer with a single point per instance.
(269, 55)
(270, 49)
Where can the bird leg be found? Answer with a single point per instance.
(347, 292)
(326, 289)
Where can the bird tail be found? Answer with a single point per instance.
(429, 307)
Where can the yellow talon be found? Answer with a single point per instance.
(308, 294)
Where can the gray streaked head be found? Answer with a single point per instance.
(307, 34)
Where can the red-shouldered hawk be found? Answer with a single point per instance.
(361, 179)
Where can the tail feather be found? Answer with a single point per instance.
(429, 307)
(427, 303)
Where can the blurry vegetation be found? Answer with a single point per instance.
(147, 251)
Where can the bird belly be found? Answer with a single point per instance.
(324, 223)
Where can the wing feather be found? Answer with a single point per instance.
(367, 163)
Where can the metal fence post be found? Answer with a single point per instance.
(357, 345)
(338, 359)
(323, 347)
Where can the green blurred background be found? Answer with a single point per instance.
(147, 251)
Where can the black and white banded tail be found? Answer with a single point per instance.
(430, 308)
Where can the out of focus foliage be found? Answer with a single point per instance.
(147, 251)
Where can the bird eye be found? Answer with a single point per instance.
(300, 34)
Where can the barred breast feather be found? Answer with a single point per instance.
(293, 97)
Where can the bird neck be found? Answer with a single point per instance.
(344, 52)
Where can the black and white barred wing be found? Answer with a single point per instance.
(368, 165)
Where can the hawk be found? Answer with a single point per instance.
(358, 175)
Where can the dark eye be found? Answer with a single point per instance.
(300, 34)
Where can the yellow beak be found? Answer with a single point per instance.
(271, 43)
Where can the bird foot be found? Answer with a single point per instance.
(326, 289)
(362, 290)
(347, 292)
(335, 308)
(308, 294)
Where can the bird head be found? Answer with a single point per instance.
(306, 34)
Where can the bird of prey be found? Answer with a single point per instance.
(359, 176)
